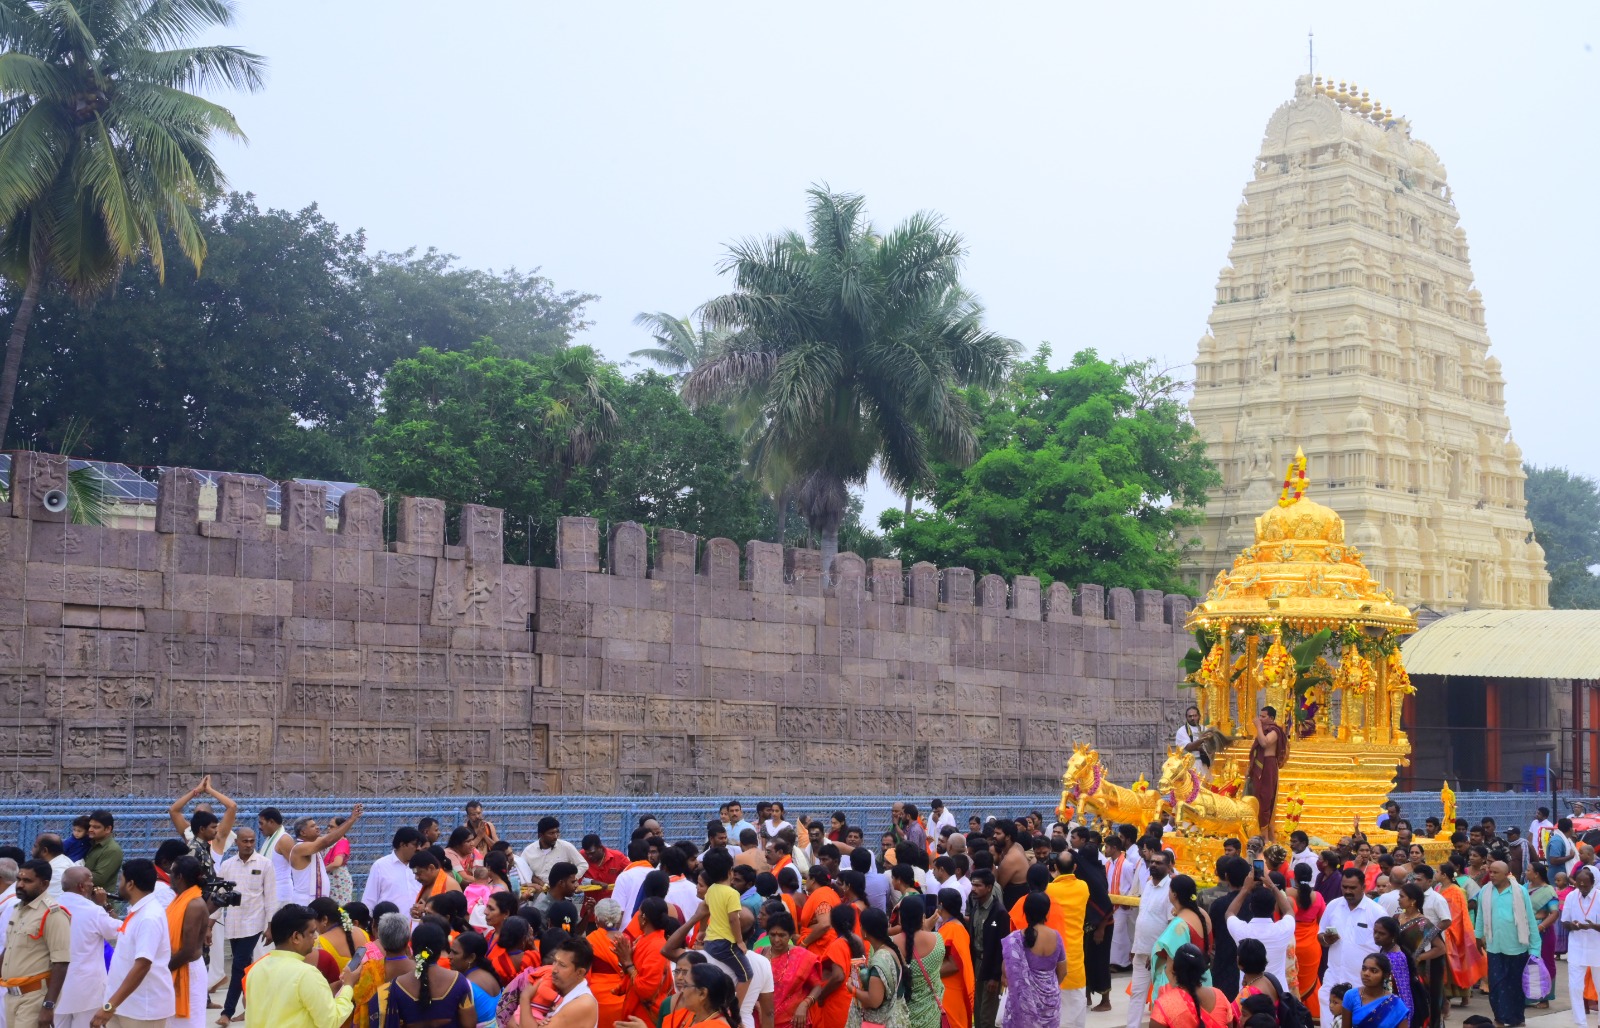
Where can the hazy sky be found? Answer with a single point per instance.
(1092, 155)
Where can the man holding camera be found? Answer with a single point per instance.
(256, 881)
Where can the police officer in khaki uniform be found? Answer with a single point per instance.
(38, 947)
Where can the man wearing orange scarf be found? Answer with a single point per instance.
(186, 927)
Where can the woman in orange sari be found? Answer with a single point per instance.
(643, 960)
(1308, 906)
(816, 932)
(1467, 962)
(794, 970)
(846, 953)
(607, 980)
(959, 985)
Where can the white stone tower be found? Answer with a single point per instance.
(1346, 323)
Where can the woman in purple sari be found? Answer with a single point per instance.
(1034, 963)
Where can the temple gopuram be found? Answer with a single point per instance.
(1346, 321)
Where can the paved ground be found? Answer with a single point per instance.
(1558, 1016)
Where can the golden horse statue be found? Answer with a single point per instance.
(1190, 799)
(1085, 787)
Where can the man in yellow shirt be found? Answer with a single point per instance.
(281, 990)
(1069, 900)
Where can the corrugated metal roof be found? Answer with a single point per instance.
(1509, 644)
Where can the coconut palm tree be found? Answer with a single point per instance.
(102, 145)
(680, 347)
(854, 346)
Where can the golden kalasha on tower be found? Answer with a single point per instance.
(1299, 625)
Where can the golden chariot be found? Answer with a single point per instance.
(1299, 624)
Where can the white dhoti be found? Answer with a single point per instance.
(1122, 935)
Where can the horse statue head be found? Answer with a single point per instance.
(1175, 771)
(1080, 768)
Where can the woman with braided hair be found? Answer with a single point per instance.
(430, 996)
(338, 938)
(1188, 1002)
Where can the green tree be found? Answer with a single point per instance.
(418, 300)
(851, 348)
(1565, 511)
(536, 438)
(101, 143)
(680, 346)
(271, 360)
(1092, 473)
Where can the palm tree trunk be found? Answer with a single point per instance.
(830, 550)
(782, 502)
(13, 365)
(908, 506)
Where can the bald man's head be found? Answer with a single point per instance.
(1500, 874)
(956, 843)
(77, 879)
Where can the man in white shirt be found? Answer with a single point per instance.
(1346, 936)
(48, 847)
(550, 849)
(1582, 920)
(245, 926)
(942, 818)
(1434, 906)
(1155, 911)
(1300, 853)
(85, 987)
(1263, 898)
(631, 878)
(139, 984)
(759, 991)
(390, 878)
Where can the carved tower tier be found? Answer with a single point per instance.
(1346, 321)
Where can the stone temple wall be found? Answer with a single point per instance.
(295, 659)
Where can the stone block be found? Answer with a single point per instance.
(956, 589)
(361, 519)
(1120, 605)
(36, 478)
(802, 569)
(1090, 602)
(241, 508)
(763, 566)
(1147, 605)
(178, 501)
(1026, 601)
(886, 580)
(992, 595)
(578, 544)
(1175, 610)
(303, 508)
(719, 562)
(483, 533)
(419, 527)
(675, 556)
(922, 585)
(627, 550)
(849, 576)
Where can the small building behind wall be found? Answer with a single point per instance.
(1500, 692)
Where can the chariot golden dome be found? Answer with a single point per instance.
(1300, 571)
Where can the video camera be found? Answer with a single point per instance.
(220, 892)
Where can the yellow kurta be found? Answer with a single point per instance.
(1069, 894)
(283, 991)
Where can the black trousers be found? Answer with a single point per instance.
(1097, 960)
(243, 951)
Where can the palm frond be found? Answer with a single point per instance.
(25, 74)
(169, 22)
(199, 67)
(733, 370)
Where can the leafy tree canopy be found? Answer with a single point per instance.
(556, 435)
(1089, 474)
(272, 359)
(1565, 511)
